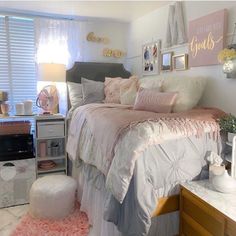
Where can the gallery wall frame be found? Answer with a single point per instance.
(151, 57)
(180, 62)
(166, 61)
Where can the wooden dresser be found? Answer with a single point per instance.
(205, 212)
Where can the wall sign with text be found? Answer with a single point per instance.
(206, 38)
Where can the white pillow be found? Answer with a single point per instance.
(150, 82)
(75, 94)
(189, 90)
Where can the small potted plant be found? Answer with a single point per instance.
(228, 124)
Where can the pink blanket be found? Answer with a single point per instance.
(107, 122)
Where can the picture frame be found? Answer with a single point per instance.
(180, 62)
(166, 61)
(151, 58)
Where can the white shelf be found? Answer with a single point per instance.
(58, 167)
(50, 158)
(50, 122)
(45, 138)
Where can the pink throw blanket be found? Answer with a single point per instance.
(107, 122)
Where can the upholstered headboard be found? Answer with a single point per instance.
(95, 71)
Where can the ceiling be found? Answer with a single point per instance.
(124, 11)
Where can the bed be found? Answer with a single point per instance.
(139, 195)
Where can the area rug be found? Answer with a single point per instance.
(75, 224)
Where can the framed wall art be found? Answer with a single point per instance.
(180, 62)
(207, 38)
(166, 61)
(151, 58)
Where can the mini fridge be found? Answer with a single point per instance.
(17, 169)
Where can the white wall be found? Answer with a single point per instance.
(116, 32)
(220, 92)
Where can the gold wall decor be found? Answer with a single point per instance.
(107, 52)
(91, 37)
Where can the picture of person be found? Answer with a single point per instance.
(146, 54)
(154, 51)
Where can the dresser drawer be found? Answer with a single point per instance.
(50, 129)
(230, 227)
(202, 214)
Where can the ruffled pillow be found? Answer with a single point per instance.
(155, 101)
(128, 90)
(113, 87)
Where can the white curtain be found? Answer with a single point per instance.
(57, 41)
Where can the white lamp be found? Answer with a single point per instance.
(52, 73)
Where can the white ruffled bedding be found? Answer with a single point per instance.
(149, 162)
(130, 147)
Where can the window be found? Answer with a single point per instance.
(17, 59)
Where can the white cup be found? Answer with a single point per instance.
(19, 108)
(28, 107)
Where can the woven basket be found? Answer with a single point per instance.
(15, 127)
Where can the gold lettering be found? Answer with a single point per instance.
(113, 53)
(206, 44)
(91, 37)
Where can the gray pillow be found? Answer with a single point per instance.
(93, 91)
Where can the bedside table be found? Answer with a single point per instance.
(204, 211)
(50, 141)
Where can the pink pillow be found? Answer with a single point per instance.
(153, 100)
(112, 88)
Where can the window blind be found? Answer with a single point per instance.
(17, 59)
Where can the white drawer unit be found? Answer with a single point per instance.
(50, 143)
(50, 129)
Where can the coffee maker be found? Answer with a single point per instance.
(3, 98)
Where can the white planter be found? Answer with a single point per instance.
(230, 137)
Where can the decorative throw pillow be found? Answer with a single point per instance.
(75, 94)
(189, 90)
(153, 100)
(112, 89)
(128, 90)
(151, 82)
(93, 91)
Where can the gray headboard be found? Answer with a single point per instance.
(95, 71)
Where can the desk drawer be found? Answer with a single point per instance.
(50, 129)
(204, 215)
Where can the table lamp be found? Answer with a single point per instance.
(51, 74)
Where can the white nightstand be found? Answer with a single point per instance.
(205, 212)
(50, 141)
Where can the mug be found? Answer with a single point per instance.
(19, 109)
(5, 107)
(28, 107)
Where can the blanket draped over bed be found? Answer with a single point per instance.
(110, 126)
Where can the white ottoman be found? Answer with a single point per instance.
(52, 197)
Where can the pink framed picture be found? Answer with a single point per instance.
(206, 38)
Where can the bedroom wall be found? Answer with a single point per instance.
(116, 32)
(220, 92)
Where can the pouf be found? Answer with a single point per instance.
(52, 197)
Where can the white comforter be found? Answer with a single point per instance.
(131, 146)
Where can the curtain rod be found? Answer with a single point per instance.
(33, 14)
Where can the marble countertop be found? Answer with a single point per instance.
(223, 202)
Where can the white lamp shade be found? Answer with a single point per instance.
(52, 72)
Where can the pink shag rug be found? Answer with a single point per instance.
(75, 224)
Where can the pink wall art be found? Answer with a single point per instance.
(206, 38)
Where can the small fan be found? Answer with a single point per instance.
(48, 99)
